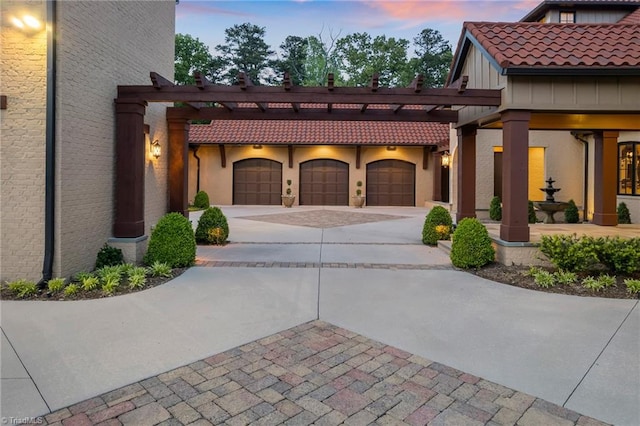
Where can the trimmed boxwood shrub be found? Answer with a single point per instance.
(532, 213)
(201, 200)
(109, 256)
(471, 245)
(172, 242)
(571, 213)
(437, 226)
(212, 227)
(623, 213)
(495, 209)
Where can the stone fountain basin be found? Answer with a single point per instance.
(550, 207)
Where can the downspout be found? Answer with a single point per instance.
(580, 137)
(195, 154)
(50, 151)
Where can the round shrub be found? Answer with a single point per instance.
(212, 227)
(172, 242)
(109, 256)
(623, 213)
(201, 200)
(471, 246)
(571, 213)
(495, 209)
(437, 226)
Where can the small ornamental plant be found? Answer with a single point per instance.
(172, 242)
(532, 213)
(55, 284)
(471, 245)
(624, 217)
(213, 227)
(571, 213)
(201, 200)
(495, 209)
(437, 226)
(109, 256)
(23, 288)
(288, 190)
(359, 190)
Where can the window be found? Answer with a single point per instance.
(567, 17)
(629, 168)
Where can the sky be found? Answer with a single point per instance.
(207, 20)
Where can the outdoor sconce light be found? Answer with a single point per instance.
(446, 159)
(156, 150)
(257, 147)
(391, 148)
(26, 23)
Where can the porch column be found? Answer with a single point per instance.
(437, 176)
(515, 176)
(606, 178)
(466, 172)
(179, 166)
(130, 162)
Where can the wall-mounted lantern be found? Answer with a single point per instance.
(445, 159)
(257, 146)
(391, 148)
(156, 150)
(26, 23)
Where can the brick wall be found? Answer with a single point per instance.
(22, 150)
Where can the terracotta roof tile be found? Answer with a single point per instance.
(319, 132)
(632, 18)
(536, 45)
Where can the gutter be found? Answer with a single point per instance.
(195, 154)
(585, 195)
(50, 152)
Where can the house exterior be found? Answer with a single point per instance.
(249, 162)
(572, 114)
(59, 81)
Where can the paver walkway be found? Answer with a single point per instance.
(319, 374)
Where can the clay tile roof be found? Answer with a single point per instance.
(552, 46)
(285, 132)
(631, 19)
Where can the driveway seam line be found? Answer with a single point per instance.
(601, 352)
(25, 369)
(319, 278)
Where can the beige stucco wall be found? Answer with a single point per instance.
(218, 181)
(22, 149)
(99, 46)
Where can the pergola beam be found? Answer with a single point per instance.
(158, 81)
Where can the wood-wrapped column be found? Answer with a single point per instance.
(437, 176)
(466, 172)
(130, 165)
(179, 166)
(605, 178)
(515, 176)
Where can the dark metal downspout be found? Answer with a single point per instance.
(50, 151)
(195, 154)
(585, 195)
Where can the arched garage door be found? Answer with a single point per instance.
(324, 183)
(391, 183)
(257, 181)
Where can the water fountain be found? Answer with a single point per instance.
(550, 206)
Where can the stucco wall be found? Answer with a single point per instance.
(22, 150)
(218, 181)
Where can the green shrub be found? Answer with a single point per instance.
(619, 254)
(623, 213)
(571, 214)
(159, 269)
(89, 282)
(212, 227)
(201, 200)
(110, 283)
(633, 286)
(71, 289)
(137, 279)
(23, 288)
(495, 209)
(81, 275)
(172, 242)
(607, 280)
(109, 256)
(55, 284)
(532, 218)
(359, 190)
(565, 277)
(544, 279)
(570, 253)
(437, 226)
(471, 246)
(105, 271)
(592, 283)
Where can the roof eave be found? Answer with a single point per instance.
(571, 71)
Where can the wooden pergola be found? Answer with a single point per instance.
(245, 101)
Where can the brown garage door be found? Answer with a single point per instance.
(391, 183)
(324, 183)
(257, 181)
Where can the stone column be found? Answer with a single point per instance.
(466, 172)
(179, 166)
(130, 164)
(515, 176)
(605, 178)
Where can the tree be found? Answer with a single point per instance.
(359, 57)
(245, 51)
(294, 57)
(433, 57)
(321, 60)
(192, 55)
